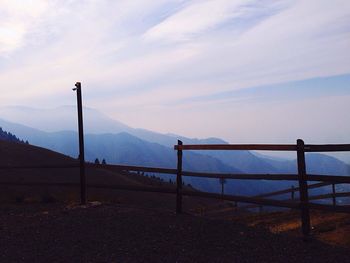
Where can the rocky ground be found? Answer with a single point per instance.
(125, 233)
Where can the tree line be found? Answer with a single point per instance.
(8, 136)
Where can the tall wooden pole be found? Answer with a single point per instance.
(81, 144)
(179, 180)
(304, 197)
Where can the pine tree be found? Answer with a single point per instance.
(8, 136)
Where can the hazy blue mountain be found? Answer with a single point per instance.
(98, 123)
(63, 140)
(324, 164)
(124, 148)
(118, 143)
(315, 164)
(62, 118)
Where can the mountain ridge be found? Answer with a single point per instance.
(147, 148)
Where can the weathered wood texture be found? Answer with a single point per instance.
(304, 196)
(83, 195)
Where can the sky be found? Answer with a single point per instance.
(245, 71)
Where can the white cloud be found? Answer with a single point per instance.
(194, 18)
(16, 19)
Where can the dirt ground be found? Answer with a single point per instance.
(129, 233)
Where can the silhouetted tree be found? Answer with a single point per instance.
(97, 161)
(104, 161)
(8, 136)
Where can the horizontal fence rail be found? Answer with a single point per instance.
(327, 148)
(289, 177)
(257, 147)
(329, 178)
(294, 189)
(266, 147)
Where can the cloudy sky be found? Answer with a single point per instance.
(246, 71)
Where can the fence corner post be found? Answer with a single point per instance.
(179, 179)
(304, 197)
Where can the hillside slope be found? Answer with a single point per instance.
(18, 154)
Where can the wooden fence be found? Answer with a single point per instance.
(260, 200)
(302, 177)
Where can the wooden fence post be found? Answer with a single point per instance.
(304, 198)
(179, 180)
(81, 145)
(334, 200)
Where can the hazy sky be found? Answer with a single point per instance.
(245, 71)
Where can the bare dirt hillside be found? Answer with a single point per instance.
(17, 154)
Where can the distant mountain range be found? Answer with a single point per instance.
(120, 144)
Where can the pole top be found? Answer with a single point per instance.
(77, 85)
(300, 145)
(300, 141)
